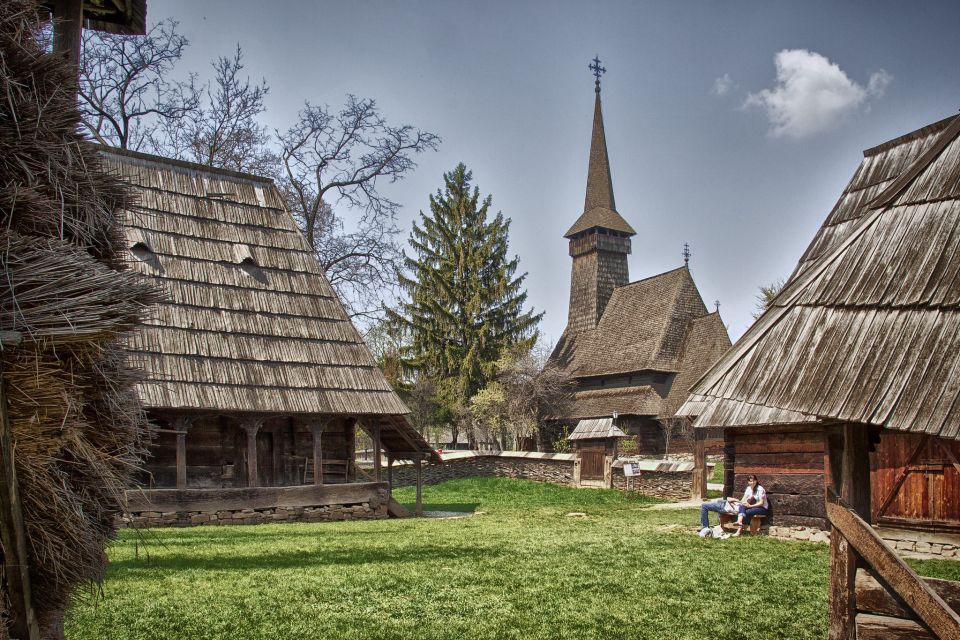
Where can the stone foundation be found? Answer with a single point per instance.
(907, 543)
(325, 513)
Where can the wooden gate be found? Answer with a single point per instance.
(592, 464)
(916, 482)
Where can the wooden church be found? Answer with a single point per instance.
(633, 348)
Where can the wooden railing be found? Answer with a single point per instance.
(885, 599)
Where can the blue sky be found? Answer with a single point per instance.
(733, 126)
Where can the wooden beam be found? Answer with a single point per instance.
(13, 535)
(68, 30)
(181, 425)
(419, 510)
(842, 600)
(729, 463)
(251, 426)
(904, 581)
(873, 597)
(872, 627)
(375, 436)
(317, 430)
(698, 489)
(390, 473)
(175, 500)
(350, 433)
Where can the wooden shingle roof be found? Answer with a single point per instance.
(250, 323)
(599, 429)
(867, 329)
(656, 324)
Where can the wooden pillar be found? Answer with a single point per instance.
(252, 426)
(375, 436)
(390, 474)
(698, 489)
(68, 30)
(350, 433)
(182, 424)
(729, 463)
(317, 430)
(13, 535)
(418, 463)
(848, 458)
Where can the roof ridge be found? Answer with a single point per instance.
(183, 164)
(909, 137)
(656, 275)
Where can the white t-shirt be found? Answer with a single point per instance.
(761, 497)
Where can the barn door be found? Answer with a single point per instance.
(592, 464)
(916, 480)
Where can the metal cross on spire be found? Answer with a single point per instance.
(597, 70)
(716, 306)
(686, 254)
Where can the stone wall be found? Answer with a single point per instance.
(555, 468)
(326, 513)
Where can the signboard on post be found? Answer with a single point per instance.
(631, 469)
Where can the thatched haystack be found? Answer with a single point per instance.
(77, 427)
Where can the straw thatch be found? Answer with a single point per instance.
(77, 427)
(251, 324)
(867, 329)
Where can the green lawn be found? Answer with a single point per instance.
(519, 568)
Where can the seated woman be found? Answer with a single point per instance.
(754, 503)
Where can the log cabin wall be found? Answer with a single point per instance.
(916, 482)
(789, 465)
(648, 431)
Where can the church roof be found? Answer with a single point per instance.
(599, 208)
(250, 323)
(867, 329)
(655, 324)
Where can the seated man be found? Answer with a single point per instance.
(720, 505)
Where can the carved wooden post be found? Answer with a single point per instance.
(698, 490)
(350, 433)
(182, 424)
(848, 451)
(13, 534)
(67, 30)
(375, 432)
(729, 463)
(252, 426)
(317, 430)
(418, 463)
(389, 474)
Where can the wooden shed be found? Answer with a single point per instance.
(253, 372)
(852, 376)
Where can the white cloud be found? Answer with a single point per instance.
(812, 94)
(722, 85)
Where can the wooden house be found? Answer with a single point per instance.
(844, 397)
(253, 372)
(635, 348)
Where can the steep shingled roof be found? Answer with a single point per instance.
(868, 327)
(656, 324)
(250, 323)
(599, 207)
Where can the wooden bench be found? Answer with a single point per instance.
(728, 522)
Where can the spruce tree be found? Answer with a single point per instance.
(465, 303)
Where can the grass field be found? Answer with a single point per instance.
(519, 568)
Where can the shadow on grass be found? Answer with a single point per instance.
(303, 559)
(459, 507)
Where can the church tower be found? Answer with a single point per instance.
(600, 238)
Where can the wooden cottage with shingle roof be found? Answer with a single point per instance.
(632, 348)
(850, 382)
(254, 373)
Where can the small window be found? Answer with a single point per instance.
(142, 252)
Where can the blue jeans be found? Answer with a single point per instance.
(748, 513)
(706, 508)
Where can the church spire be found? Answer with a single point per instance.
(599, 183)
(599, 207)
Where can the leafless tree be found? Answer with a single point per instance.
(332, 166)
(677, 431)
(126, 95)
(224, 131)
(534, 389)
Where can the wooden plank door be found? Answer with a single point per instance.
(916, 480)
(592, 462)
